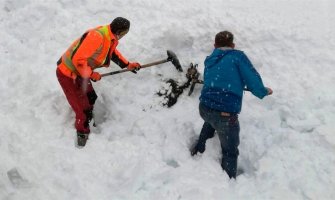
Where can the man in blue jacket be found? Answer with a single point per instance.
(227, 73)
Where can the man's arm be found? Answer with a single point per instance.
(251, 78)
(118, 59)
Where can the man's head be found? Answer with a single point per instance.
(224, 39)
(120, 27)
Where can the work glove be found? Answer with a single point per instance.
(95, 76)
(134, 67)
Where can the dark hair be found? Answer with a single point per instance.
(224, 39)
(119, 25)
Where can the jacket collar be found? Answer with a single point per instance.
(225, 48)
(112, 36)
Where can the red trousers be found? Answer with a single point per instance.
(81, 96)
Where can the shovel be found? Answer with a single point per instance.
(171, 57)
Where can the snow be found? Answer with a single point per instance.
(140, 150)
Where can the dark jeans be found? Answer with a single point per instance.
(227, 128)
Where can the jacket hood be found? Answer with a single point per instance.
(217, 55)
(222, 51)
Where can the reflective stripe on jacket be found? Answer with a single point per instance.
(93, 50)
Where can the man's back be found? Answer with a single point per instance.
(227, 73)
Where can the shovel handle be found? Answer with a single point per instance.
(154, 63)
(115, 72)
(142, 66)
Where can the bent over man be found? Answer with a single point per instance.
(75, 69)
(227, 73)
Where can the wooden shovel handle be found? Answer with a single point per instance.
(142, 66)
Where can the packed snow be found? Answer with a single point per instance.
(140, 149)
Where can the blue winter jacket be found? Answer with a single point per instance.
(227, 72)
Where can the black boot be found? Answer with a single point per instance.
(198, 147)
(82, 138)
(230, 166)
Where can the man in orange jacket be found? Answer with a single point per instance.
(75, 69)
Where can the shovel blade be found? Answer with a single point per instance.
(173, 58)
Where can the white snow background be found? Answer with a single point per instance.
(140, 149)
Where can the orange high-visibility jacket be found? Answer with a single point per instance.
(93, 50)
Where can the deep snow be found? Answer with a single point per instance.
(140, 149)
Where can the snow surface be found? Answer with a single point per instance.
(140, 150)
